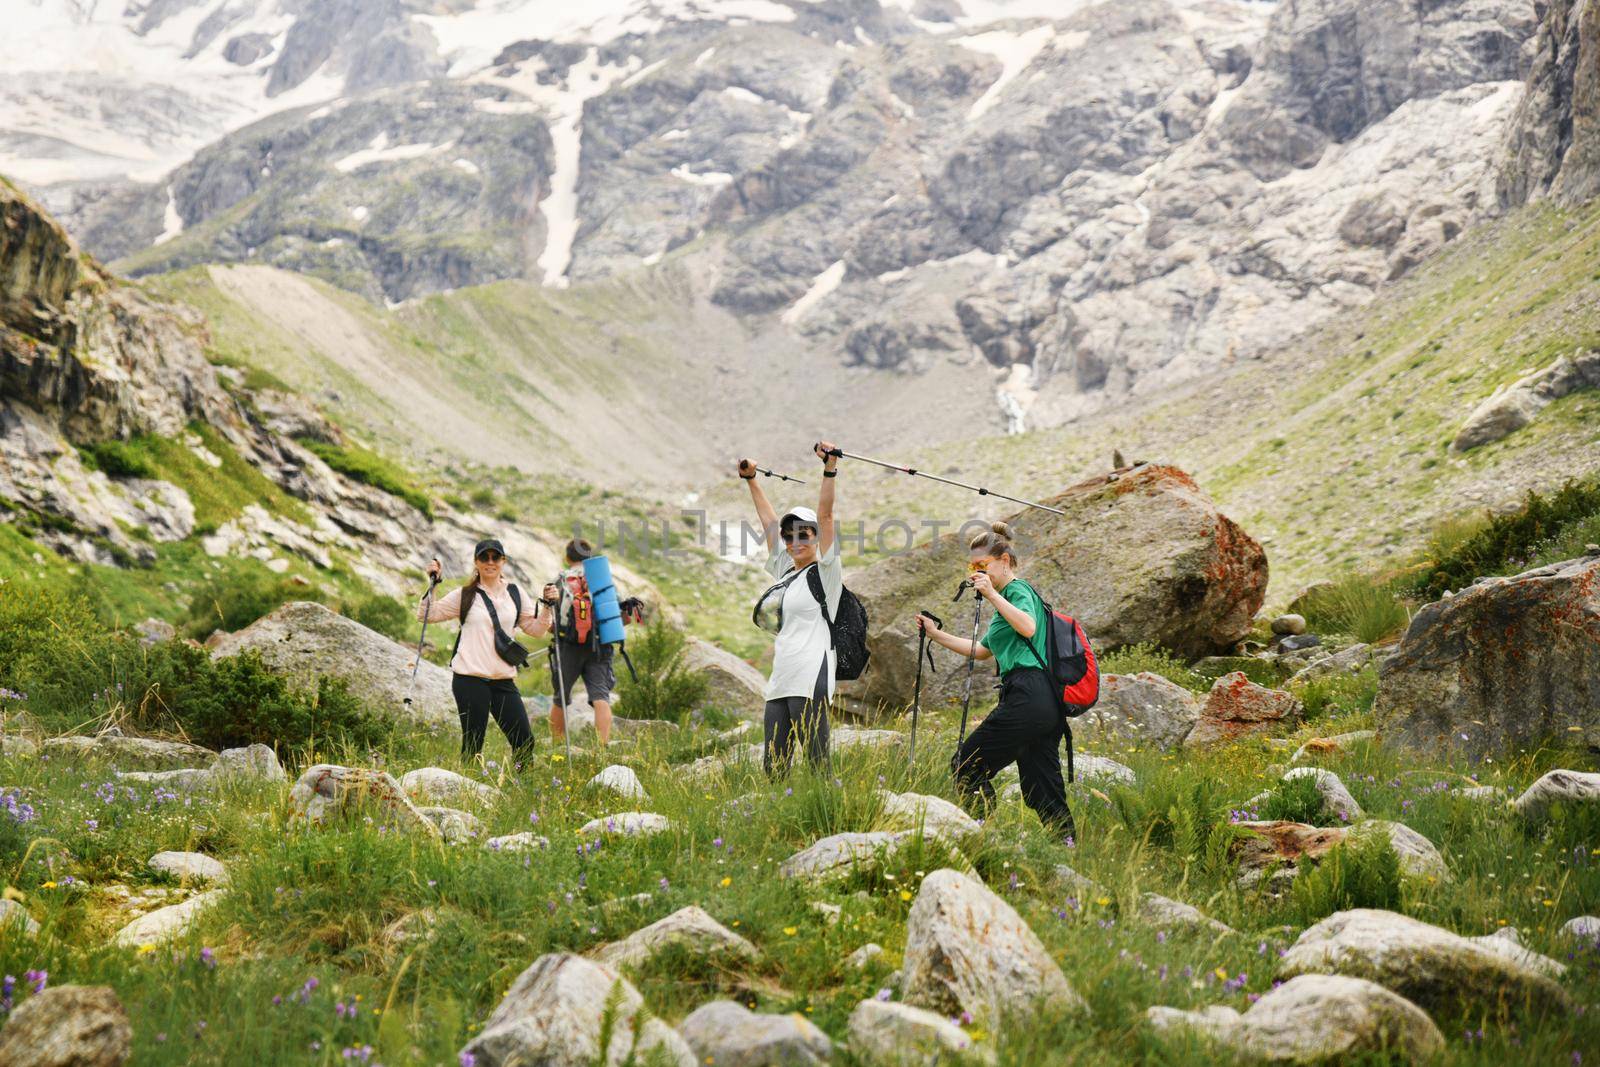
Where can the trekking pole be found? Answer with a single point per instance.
(561, 696)
(770, 473)
(416, 664)
(923, 649)
(914, 472)
(972, 658)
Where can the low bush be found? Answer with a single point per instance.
(369, 468)
(119, 459)
(1339, 693)
(1362, 874)
(233, 599)
(1295, 800)
(1132, 659)
(1507, 543)
(664, 688)
(384, 614)
(1365, 606)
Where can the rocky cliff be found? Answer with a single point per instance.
(1106, 200)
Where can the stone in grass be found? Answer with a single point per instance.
(1443, 972)
(1558, 788)
(846, 738)
(1289, 625)
(1337, 805)
(131, 753)
(629, 823)
(553, 1015)
(251, 761)
(189, 866)
(1329, 746)
(1164, 911)
(412, 926)
(1141, 708)
(67, 1026)
(621, 781)
(863, 956)
(890, 1034)
(831, 913)
(730, 1035)
(183, 780)
(1315, 1019)
(522, 842)
(438, 785)
(688, 930)
(838, 855)
(1237, 707)
(328, 789)
(14, 916)
(455, 825)
(1419, 858)
(968, 950)
(166, 923)
(1583, 928)
(1507, 942)
(917, 811)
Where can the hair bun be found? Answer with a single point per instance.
(1000, 529)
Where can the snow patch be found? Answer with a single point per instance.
(743, 95)
(466, 165)
(704, 57)
(1014, 50)
(380, 151)
(821, 286)
(1015, 396)
(715, 178)
(172, 222)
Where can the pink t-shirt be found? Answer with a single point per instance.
(476, 655)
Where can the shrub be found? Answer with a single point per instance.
(1336, 693)
(1360, 874)
(384, 614)
(372, 469)
(1508, 542)
(1131, 659)
(119, 459)
(1295, 800)
(1365, 606)
(665, 688)
(233, 599)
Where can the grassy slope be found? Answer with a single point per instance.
(314, 903)
(1335, 451)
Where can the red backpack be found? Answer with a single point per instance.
(1069, 661)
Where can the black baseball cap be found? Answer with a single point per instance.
(488, 544)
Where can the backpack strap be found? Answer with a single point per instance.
(494, 616)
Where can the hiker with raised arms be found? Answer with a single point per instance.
(486, 657)
(1028, 724)
(810, 581)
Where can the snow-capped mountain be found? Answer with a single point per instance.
(1090, 197)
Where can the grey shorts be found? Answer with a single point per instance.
(591, 663)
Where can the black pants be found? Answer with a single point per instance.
(479, 698)
(1026, 728)
(796, 718)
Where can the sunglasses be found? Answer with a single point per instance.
(491, 557)
(979, 564)
(804, 533)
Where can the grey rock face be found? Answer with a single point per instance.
(1553, 141)
(552, 1015)
(306, 641)
(1558, 788)
(143, 753)
(967, 950)
(1512, 654)
(68, 1026)
(892, 1034)
(838, 855)
(189, 866)
(165, 924)
(1519, 403)
(1142, 708)
(728, 1033)
(918, 811)
(1315, 1019)
(328, 790)
(438, 784)
(733, 684)
(1442, 972)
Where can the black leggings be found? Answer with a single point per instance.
(479, 698)
(792, 719)
(1026, 728)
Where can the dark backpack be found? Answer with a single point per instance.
(505, 646)
(847, 630)
(1069, 661)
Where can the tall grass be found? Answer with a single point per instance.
(1364, 606)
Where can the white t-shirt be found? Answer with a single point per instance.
(804, 641)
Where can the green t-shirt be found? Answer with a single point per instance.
(1009, 649)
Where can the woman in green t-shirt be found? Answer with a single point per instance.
(1027, 726)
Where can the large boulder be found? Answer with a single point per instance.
(1558, 789)
(1237, 707)
(440, 786)
(688, 929)
(1445, 973)
(731, 1035)
(554, 1014)
(1141, 709)
(1141, 555)
(131, 753)
(1315, 1019)
(304, 642)
(166, 923)
(918, 811)
(1500, 667)
(67, 1026)
(967, 950)
(733, 685)
(838, 855)
(189, 866)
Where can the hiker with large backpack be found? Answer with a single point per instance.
(800, 611)
(1030, 721)
(577, 651)
(486, 658)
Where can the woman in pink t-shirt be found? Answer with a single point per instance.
(484, 684)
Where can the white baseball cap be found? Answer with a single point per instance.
(804, 516)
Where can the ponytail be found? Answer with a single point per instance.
(997, 540)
